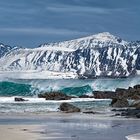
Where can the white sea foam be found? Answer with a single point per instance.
(133, 137)
(42, 100)
(39, 105)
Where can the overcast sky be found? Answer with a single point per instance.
(29, 23)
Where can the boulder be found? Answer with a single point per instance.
(136, 104)
(91, 112)
(55, 96)
(121, 92)
(119, 102)
(138, 115)
(131, 113)
(137, 86)
(130, 93)
(18, 99)
(104, 94)
(85, 96)
(135, 97)
(69, 108)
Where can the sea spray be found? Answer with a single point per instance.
(20, 89)
(71, 86)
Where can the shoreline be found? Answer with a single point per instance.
(66, 126)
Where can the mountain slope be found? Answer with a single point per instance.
(100, 55)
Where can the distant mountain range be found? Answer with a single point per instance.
(100, 55)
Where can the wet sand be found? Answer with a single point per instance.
(61, 126)
(19, 132)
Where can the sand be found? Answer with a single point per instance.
(19, 132)
(61, 126)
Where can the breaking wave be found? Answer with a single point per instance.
(16, 89)
(72, 86)
(20, 89)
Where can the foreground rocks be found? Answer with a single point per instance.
(55, 96)
(69, 108)
(120, 99)
(132, 111)
(18, 99)
(119, 102)
(104, 94)
(129, 113)
(135, 104)
(130, 93)
(85, 96)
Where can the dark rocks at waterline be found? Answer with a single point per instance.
(131, 113)
(119, 102)
(69, 108)
(135, 104)
(89, 112)
(55, 96)
(137, 87)
(18, 99)
(104, 94)
(85, 96)
(130, 93)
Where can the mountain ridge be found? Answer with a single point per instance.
(100, 55)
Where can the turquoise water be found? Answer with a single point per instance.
(71, 86)
(31, 88)
(15, 89)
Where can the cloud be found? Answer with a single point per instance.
(80, 9)
(42, 31)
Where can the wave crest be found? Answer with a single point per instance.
(21, 89)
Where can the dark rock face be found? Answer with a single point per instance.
(136, 104)
(119, 102)
(104, 94)
(55, 96)
(69, 108)
(137, 87)
(85, 96)
(131, 113)
(130, 93)
(89, 112)
(19, 99)
(135, 97)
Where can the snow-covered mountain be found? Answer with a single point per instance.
(99, 55)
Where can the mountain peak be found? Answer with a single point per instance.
(105, 36)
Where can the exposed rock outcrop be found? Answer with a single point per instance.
(104, 94)
(130, 93)
(136, 104)
(85, 96)
(55, 96)
(18, 99)
(69, 108)
(119, 102)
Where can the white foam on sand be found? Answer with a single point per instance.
(133, 136)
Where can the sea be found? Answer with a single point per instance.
(29, 90)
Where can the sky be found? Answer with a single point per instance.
(29, 23)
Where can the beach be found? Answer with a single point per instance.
(18, 132)
(66, 126)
